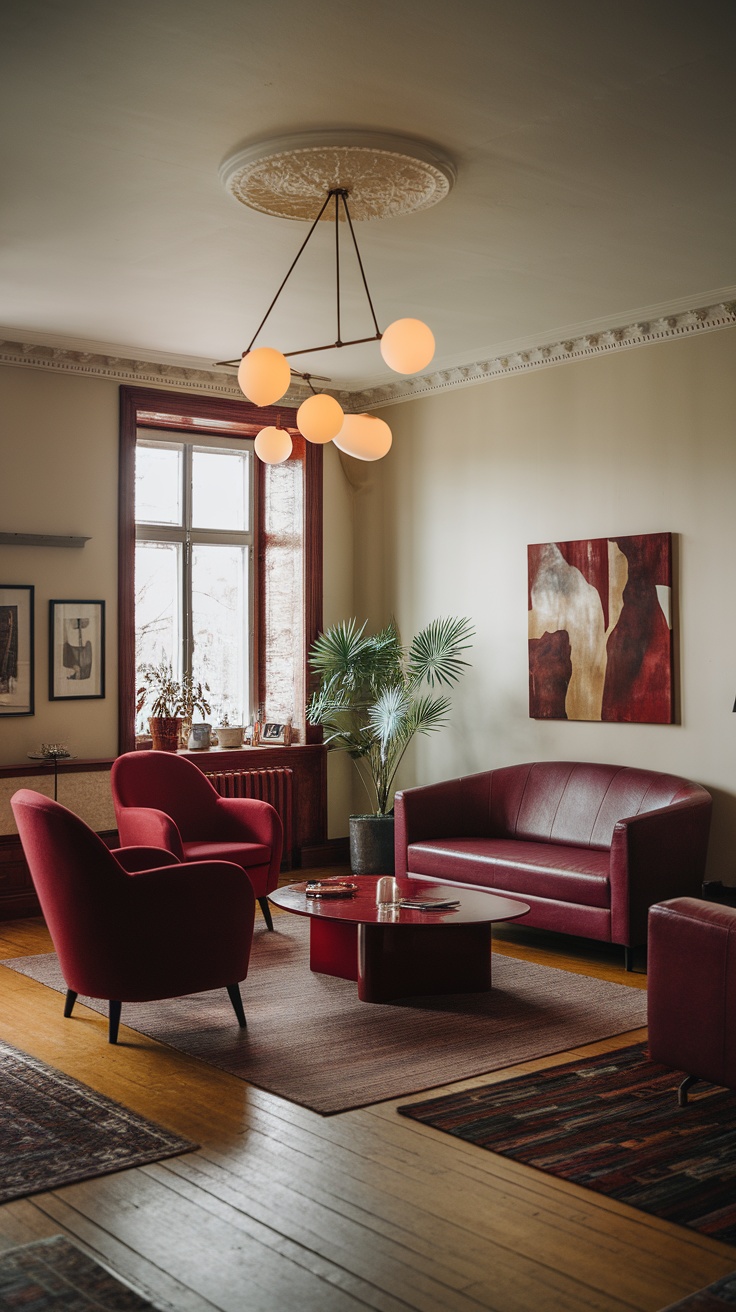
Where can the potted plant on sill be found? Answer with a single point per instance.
(172, 703)
(371, 700)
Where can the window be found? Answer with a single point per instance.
(194, 565)
(220, 556)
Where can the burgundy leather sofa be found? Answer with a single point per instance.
(589, 847)
(691, 990)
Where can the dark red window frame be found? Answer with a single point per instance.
(224, 417)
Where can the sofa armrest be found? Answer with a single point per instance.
(657, 855)
(142, 826)
(430, 811)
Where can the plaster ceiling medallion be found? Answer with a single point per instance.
(383, 175)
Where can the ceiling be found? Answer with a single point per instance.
(594, 146)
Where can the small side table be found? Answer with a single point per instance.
(52, 760)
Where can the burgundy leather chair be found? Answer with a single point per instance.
(691, 990)
(163, 800)
(135, 924)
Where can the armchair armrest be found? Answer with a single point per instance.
(655, 856)
(250, 819)
(133, 859)
(184, 923)
(142, 826)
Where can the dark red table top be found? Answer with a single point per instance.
(475, 906)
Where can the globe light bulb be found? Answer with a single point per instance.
(365, 437)
(273, 445)
(320, 418)
(264, 375)
(407, 346)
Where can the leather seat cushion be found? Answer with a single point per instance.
(546, 870)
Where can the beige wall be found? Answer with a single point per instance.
(638, 441)
(59, 443)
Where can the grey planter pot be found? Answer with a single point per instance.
(372, 844)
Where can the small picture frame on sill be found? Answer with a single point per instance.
(76, 650)
(16, 649)
(273, 734)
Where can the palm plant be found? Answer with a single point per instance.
(370, 699)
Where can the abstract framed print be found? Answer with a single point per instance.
(600, 630)
(16, 649)
(76, 650)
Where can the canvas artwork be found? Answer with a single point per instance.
(600, 629)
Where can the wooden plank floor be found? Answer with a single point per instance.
(283, 1209)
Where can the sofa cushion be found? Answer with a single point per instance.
(547, 870)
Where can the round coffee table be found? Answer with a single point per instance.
(395, 952)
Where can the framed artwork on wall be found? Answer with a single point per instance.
(16, 649)
(76, 650)
(600, 630)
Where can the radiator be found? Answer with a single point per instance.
(274, 786)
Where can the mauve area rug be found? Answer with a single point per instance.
(611, 1124)
(52, 1275)
(55, 1131)
(310, 1039)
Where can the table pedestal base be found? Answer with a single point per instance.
(403, 961)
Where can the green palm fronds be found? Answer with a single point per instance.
(367, 697)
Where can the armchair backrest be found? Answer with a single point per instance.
(77, 879)
(168, 783)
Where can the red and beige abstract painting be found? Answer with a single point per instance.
(600, 630)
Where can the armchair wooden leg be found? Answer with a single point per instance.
(237, 1001)
(266, 909)
(115, 1009)
(71, 998)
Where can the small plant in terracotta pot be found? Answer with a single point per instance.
(171, 703)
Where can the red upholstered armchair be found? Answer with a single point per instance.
(691, 990)
(163, 800)
(134, 925)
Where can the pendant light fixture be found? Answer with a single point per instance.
(382, 176)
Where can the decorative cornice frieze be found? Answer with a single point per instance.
(641, 333)
(177, 377)
(197, 378)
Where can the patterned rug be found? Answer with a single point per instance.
(718, 1297)
(312, 1041)
(55, 1131)
(611, 1124)
(53, 1275)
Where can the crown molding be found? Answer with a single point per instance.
(173, 373)
(180, 376)
(642, 333)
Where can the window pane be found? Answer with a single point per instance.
(220, 627)
(220, 490)
(158, 484)
(157, 609)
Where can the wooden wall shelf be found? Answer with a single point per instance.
(40, 540)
